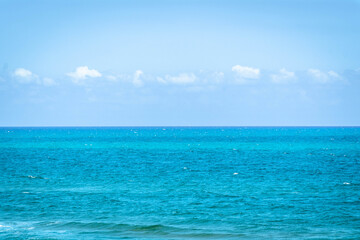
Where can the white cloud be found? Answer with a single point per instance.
(137, 78)
(161, 80)
(48, 81)
(333, 74)
(23, 73)
(318, 75)
(82, 73)
(218, 77)
(324, 77)
(246, 72)
(183, 78)
(111, 78)
(26, 76)
(283, 76)
(120, 77)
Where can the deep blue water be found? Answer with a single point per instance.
(179, 183)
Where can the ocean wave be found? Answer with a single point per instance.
(106, 226)
(134, 230)
(34, 177)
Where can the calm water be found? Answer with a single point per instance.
(179, 183)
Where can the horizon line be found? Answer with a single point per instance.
(174, 126)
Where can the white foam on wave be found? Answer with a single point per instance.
(346, 183)
(38, 177)
(235, 173)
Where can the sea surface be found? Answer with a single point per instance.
(180, 183)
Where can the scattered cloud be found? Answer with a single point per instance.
(137, 78)
(183, 78)
(111, 78)
(334, 74)
(218, 77)
(161, 80)
(23, 73)
(283, 76)
(48, 81)
(123, 77)
(25, 76)
(324, 77)
(244, 74)
(82, 73)
(318, 75)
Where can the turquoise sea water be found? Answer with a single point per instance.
(179, 183)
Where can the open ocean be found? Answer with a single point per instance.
(180, 183)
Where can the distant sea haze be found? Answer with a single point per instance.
(180, 183)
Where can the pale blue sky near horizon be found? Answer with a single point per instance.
(179, 63)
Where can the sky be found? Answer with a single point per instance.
(180, 63)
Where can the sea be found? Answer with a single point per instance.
(180, 183)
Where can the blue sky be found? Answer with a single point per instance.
(148, 63)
